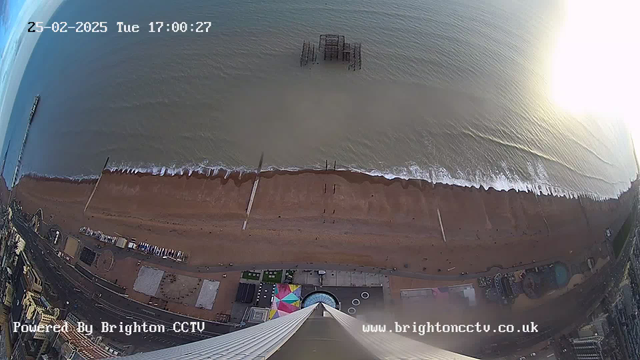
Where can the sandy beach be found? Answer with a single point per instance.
(368, 221)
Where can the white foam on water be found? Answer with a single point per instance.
(72, 178)
(503, 181)
(538, 181)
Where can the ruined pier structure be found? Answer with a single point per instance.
(332, 47)
(308, 53)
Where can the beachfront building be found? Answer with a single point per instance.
(588, 348)
(38, 312)
(314, 332)
(72, 344)
(23, 296)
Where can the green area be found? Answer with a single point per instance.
(288, 276)
(623, 234)
(272, 276)
(251, 275)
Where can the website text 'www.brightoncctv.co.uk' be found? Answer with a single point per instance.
(428, 327)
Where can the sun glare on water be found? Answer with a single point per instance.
(596, 61)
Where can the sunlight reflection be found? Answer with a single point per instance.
(596, 60)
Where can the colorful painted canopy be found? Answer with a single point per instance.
(286, 299)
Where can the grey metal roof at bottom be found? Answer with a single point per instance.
(390, 346)
(257, 342)
(261, 341)
(321, 338)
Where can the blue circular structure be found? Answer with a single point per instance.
(320, 297)
(562, 274)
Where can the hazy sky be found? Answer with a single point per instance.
(17, 46)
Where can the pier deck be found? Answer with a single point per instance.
(308, 53)
(36, 100)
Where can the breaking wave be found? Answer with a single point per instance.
(78, 178)
(537, 182)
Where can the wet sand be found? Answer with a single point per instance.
(370, 221)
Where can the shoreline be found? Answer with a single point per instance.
(242, 175)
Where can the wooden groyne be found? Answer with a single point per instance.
(95, 187)
(253, 192)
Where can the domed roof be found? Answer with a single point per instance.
(320, 297)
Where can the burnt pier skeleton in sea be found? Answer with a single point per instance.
(308, 53)
(332, 47)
